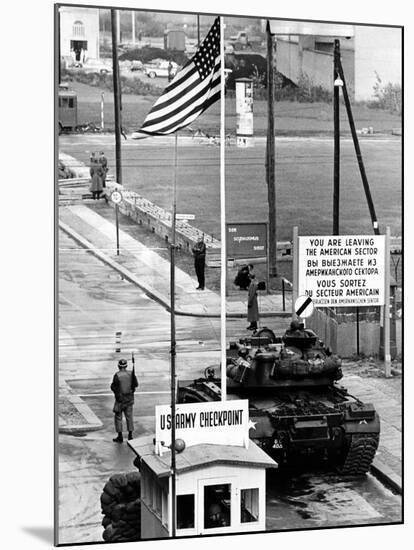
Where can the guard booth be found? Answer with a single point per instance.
(220, 487)
(68, 108)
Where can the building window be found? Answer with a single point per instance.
(78, 28)
(217, 500)
(185, 511)
(249, 505)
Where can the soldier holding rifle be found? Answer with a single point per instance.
(124, 384)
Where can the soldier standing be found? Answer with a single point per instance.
(199, 252)
(123, 385)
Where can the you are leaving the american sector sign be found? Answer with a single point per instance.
(343, 270)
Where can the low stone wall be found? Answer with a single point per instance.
(158, 220)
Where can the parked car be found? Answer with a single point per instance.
(96, 66)
(137, 65)
(159, 68)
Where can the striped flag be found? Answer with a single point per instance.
(191, 92)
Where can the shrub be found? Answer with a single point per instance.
(388, 96)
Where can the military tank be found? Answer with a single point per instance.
(295, 402)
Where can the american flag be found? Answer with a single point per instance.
(191, 92)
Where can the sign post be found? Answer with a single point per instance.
(116, 197)
(386, 316)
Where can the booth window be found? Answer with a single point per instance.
(157, 499)
(185, 511)
(249, 505)
(217, 507)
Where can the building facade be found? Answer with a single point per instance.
(79, 33)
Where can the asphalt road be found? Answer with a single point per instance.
(304, 180)
(94, 303)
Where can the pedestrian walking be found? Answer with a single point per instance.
(252, 305)
(123, 385)
(199, 252)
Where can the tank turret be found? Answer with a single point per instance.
(299, 358)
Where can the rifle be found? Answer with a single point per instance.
(134, 379)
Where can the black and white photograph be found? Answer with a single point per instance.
(218, 333)
(229, 274)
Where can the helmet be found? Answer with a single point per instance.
(122, 363)
(294, 325)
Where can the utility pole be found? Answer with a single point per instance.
(270, 153)
(57, 27)
(358, 153)
(117, 94)
(336, 86)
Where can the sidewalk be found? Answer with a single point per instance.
(151, 273)
(386, 396)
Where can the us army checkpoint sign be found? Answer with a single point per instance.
(218, 422)
(343, 270)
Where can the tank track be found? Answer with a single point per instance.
(360, 454)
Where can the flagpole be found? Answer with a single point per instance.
(222, 220)
(173, 343)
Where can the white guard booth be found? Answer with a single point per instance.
(220, 473)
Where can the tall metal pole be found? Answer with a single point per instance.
(387, 351)
(270, 154)
(133, 27)
(336, 86)
(365, 183)
(59, 45)
(117, 94)
(223, 273)
(173, 342)
(198, 30)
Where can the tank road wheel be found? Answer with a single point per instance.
(360, 454)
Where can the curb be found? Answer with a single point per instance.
(129, 276)
(386, 476)
(92, 421)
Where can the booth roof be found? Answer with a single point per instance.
(199, 456)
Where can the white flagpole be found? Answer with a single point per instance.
(222, 221)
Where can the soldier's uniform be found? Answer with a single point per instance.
(123, 385)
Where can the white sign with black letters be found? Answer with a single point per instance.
(218, 422)
(342, 270)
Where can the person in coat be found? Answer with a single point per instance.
(103, 161)
(124, 384)
(199, 253)
(242, 278)
(96, 187)
(252, 305)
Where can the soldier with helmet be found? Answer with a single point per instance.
(124, 384)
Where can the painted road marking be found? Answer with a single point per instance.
(304, 306)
